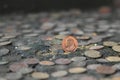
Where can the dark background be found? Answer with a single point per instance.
(8, 6)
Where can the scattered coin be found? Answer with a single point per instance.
(92, 54)
(47, 63)
(116, 48)
(13, 76)
(31, 61)
(23, 48)
(96, 47)
(40, 75)
(113, 58)
(3, 51)
(102, 69)
(59, 74)
(116, 66)
(5, 43)
(110, 43)
(63, 61)
(88, 78)
(93, 66)
(77, 70)
(17, 66)
(25, 70)
(78, 59)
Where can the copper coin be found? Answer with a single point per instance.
(69, 44)
(105, 69)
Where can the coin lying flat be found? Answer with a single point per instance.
(47, 63)
(78, 58)
(110, 43)
(105, 69)
(31, 61)
(116, 48)
(92, 54)
(59, 74)
(62, 61)
(5, 43)
(113, 58)
(13, 76)
(40, 75)
(77, 70)
(17, 66)
(88, 78)
(25, 70)
(3, 51)
(96, 47)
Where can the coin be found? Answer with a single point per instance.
(5, 43)
(116, 66)
(47, 63)
(17, 66)
(113, 58)
(63, 61)
(93, 66)
(110, 43)
(77, 70)
(24, 48)
(96, 47)
(40, 75)
(59, 74)
(31, 61)
(13, 76)
(88, 78)
(116, 78)
(25, 70)
(105, 69)
(78, 59)
(92, 54)
(116, 48)
(3, 51)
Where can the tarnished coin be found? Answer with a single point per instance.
(3, 51)
(88, 78)
(110, 43)
(116, 48)
(25, 70)
(92, 54)
(77, 70)
(63, 61)
(93, 66)
(24, 48)
(13, 76)
(78, 64)
(31, 35)
(113, 58)
(105, 69)
(2, 62)
(17, 66)
(47, 63)
(116, 66)
(96, 47)
(59, 74)
(31, 61)
(78, 59)
(5, 43)
(40, 75)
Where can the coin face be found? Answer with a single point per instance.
(69, 44)
(59, 73)
(40, 75)
(105, 69)
(77, 70)
(116, 48)
(63, 61)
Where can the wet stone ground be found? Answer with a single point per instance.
(30, 46)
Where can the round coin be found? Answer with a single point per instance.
(3, 51)
(59, 74)
(63, 61)
(47, 63)
(77, 70)
(31, 61)
(116, 48)
(102, 69)
(40, 75)
(113, 58)
(110, 43)
(92, 54)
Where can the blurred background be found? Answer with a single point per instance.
(24, 6)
